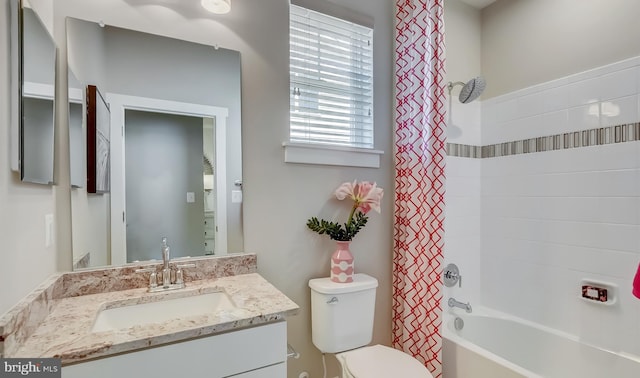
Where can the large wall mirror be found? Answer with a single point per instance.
(175, 146)
(33, 53)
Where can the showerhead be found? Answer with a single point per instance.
(471, 90)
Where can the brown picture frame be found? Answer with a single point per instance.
(98, 142)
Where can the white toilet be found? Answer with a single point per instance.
(342, 323)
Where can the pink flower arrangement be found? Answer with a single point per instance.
(365, 196)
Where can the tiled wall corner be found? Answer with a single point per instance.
(560, 184)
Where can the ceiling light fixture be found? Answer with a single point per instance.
(217, 6)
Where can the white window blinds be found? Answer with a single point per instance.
(331, 80)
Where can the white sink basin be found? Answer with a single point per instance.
(161, 311)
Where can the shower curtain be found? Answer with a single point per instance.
(420, 143)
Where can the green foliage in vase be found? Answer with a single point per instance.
(337, 231)
(365, 196)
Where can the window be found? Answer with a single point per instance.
(331, 80)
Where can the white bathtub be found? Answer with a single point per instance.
(495, 345)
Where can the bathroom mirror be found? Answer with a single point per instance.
(176, 168)
(33, 53)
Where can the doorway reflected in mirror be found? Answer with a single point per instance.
(167, 192)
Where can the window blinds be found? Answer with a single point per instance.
(331, 80)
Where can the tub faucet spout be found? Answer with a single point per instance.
(464, 306)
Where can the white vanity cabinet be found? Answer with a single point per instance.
(256, 352)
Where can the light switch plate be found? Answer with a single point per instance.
(191, 197)
(236, 196)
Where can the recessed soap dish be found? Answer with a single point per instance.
(598, 292)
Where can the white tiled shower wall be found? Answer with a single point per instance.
(549, 219)
(601, 97)
(462, 227)
(462, 198)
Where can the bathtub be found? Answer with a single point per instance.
(496, 345)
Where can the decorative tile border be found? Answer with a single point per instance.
(464, 150)
(576, 139)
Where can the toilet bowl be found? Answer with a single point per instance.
(379, 361)
(342, 323)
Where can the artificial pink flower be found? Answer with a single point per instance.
(368, 196)
(346, 190)
(365, 196)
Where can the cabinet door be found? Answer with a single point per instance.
(223, 355)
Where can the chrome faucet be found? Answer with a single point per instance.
(166, 259)
(465, 306)
(166, 272)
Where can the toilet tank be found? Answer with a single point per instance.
(342, 313)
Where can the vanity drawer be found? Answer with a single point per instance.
(242, 353)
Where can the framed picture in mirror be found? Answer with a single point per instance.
(98, 142)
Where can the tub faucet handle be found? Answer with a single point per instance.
(452, 276)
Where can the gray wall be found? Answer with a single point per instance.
(87, 53)
(163, 162)
(39, 51)
(25, 259)
(528, 42)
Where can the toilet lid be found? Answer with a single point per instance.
(379, 361)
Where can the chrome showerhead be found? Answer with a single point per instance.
(471, 90)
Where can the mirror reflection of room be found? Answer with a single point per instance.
(36, 120)
(108, 227)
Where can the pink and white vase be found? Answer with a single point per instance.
(342, 263)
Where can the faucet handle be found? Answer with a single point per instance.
(179, 275)
(153, 277)
(452, 276)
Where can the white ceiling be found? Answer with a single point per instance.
(478, 3)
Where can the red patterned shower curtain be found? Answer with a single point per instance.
(420, 151)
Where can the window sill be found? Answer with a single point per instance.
(331, 155)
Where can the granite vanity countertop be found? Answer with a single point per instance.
(66, 332)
